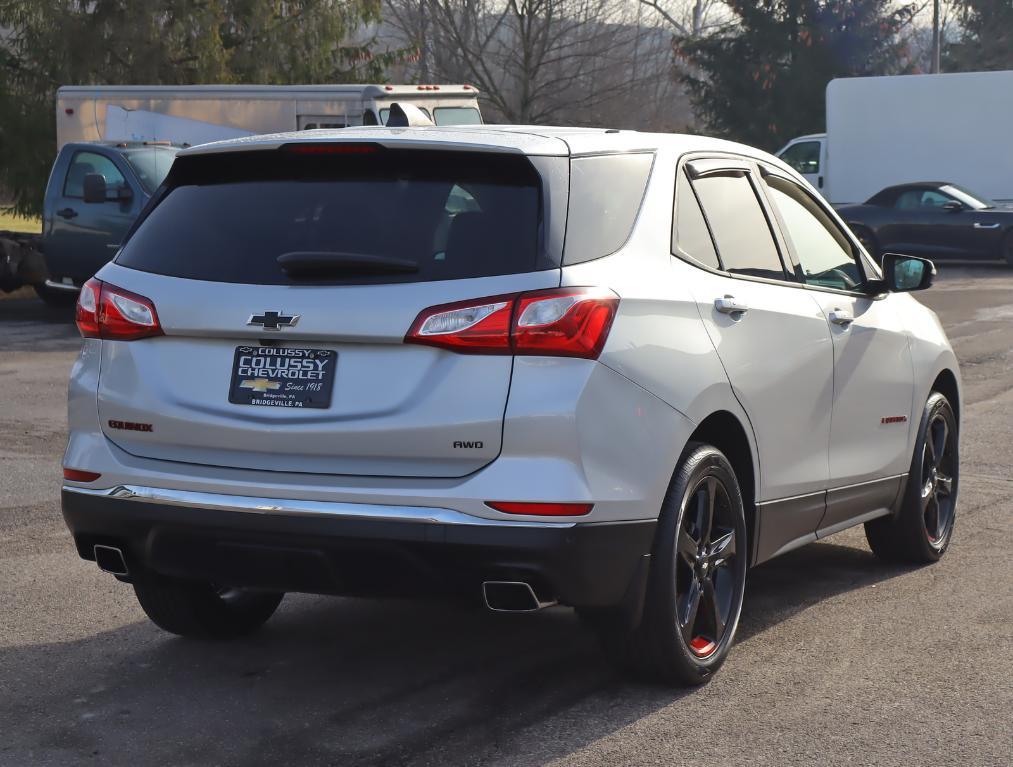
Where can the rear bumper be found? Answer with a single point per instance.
(343, 548)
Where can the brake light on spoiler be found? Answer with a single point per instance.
(559, 322)
(106, 311)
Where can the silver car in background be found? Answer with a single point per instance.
(526, 366)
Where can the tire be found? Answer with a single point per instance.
(921, 530)
(201, 610)
(1007, 249)
(666, 646)
(55, 298)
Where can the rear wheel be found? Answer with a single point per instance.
(1007, 248)
(868, 240)
(203, 610)
(697, 578)
(922, 528)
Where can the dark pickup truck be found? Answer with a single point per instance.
(96, 190)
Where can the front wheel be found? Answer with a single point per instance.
(697, 578)
(921, 530)
(203, 610)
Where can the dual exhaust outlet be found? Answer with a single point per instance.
(499, 596)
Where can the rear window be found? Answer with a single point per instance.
(435, 215)
(605, 196)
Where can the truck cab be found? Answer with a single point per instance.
(808, 155)
(82, 226)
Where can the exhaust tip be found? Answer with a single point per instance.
(110, 559)
(512, 597)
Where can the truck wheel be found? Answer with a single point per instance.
(203, 610)
(921, 530)
(697, 579)
(55, 298)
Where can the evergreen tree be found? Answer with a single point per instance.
(48, 43)
(762, 79)
(987, 39)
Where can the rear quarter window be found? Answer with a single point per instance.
(454, 215)
(605, 196)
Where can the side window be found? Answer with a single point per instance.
(605, 196)
(741, 232)
(803, 157)
(689, 229)
(822, 249)
(84, 163)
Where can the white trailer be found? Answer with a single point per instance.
(883, 131)
(195, 114)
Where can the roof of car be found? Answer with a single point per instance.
(520, 139)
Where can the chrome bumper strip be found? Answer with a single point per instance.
(299, 508)
(62, 286)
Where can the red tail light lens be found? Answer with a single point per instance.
(560, 322)
(106, 311)
(542, 509)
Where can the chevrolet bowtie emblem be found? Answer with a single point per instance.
(259, 384)
(274, 320)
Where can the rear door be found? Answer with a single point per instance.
(306, 369)
(772, 338)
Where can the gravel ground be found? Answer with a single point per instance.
(840, 660)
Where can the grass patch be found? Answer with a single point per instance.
(11, 223)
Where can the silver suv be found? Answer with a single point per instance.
(528, 366)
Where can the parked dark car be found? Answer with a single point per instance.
(96, 190)
(933, 219)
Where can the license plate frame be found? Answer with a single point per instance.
(288, 377)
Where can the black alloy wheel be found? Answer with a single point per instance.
(937, 478)
(704, 575)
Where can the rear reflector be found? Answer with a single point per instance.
(76, 475)
(559, 322)
(106, 311)
(542, 509)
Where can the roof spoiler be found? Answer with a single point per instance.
(407, 116)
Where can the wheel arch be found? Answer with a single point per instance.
(946, 384)
(723, 430)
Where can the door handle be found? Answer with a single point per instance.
(979, 225)
(728, 305)
(841, 317)
(67, 213)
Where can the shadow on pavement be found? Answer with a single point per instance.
(349, 682)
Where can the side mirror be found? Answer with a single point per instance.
(952, 206)
(906, 273)
(94, 187)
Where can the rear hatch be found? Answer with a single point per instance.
(285, 280)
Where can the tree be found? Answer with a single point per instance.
(762, 79)
(48, 43)
(535, 61)
(987, 39)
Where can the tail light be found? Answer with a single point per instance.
(106, 311)
(559, 322)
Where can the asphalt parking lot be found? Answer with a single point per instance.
(840, 660)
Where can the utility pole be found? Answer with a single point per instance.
(936, 39)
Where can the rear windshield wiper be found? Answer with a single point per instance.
(323, 263)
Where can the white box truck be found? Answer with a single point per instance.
(883, 131)
(196, 114)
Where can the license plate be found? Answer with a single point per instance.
(272, 376)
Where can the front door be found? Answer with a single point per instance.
(85, 236)
(873, 378)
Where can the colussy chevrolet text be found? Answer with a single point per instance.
(528, 366)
